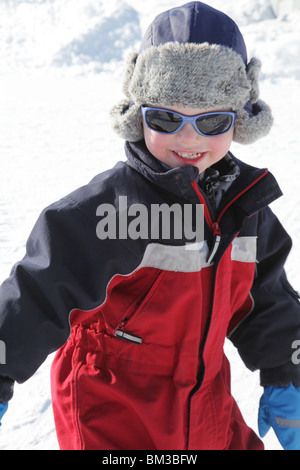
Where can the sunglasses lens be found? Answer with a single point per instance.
(214, 124)
(163, 121)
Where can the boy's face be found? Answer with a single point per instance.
(181, 148)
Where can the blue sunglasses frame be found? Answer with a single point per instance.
(189, 119)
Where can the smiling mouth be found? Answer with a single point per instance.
(189, 157)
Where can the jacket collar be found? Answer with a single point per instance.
(177, 181)
(254, 189)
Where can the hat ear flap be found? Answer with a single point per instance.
(251, 127)
(253, 72)
(127, 121)
(131, 61)
(126, 117)
(255, 120)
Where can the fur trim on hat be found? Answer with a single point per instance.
(127, 121)
(206, 76)
(131, 61)
(248, 128)
(253, 71)
(196, 75)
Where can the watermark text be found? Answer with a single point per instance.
(2, 352)
(159, 221)
(296, 354)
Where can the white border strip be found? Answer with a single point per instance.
(244, 249)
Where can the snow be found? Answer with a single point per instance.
(61, 71)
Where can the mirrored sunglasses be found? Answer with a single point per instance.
(207, 124)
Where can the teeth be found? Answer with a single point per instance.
(189, 155)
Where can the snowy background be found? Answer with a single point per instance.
(61, 67)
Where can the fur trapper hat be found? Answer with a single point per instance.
(193, 56)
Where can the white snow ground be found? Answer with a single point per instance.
(61, 67)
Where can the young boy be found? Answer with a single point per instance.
(139, 312)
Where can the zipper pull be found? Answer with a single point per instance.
(128, 337)
(217, 239)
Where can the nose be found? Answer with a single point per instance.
(188, 132)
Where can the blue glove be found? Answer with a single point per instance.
(280, 409)
(3, 409)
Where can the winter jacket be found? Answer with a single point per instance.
(140, 324)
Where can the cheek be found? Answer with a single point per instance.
(155, 142)
(222, 143)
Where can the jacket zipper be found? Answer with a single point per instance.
(215, 225)
(126, 335)
(216, 231)
(217, 240)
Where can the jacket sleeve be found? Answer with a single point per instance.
(265, 338)
(65, 267)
